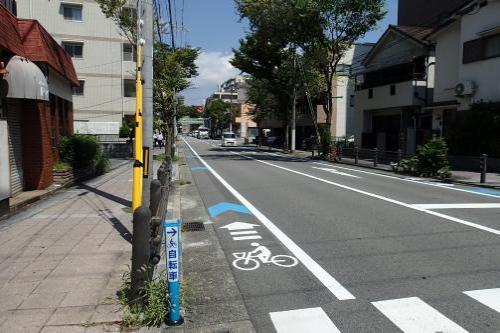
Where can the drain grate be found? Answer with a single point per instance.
(193, 226)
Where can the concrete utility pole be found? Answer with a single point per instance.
(294, 107)
(147, 35)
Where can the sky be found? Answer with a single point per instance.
(214, 26)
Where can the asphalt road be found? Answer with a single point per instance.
(349, 249)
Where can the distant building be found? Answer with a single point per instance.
(103, 58)
(36, 80)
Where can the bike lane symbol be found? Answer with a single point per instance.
(249, 261)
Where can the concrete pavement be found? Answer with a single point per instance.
(377, 252)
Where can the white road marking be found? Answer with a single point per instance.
(412, 315)
(313, 320)
(373, 195)
(459, 206)
(336, 172)
(249, 232)
(488, 297)
(239, 226)
(412, 180)
(247, 237)
(319, 272)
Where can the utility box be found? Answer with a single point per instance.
(4, 168)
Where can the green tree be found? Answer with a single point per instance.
(218, 112)
(322, 29)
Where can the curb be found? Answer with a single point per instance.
(16, 209)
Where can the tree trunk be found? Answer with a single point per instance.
(287, 137)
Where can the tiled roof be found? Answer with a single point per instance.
(40, 46)
(417, 33)
(28, 38)
(9, 33)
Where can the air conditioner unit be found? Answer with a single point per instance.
(465, 88)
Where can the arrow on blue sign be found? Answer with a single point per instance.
(223, 207)
(172, 232)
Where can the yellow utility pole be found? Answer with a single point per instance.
(138, 154)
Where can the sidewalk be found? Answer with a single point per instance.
(62, 260)
(25, 198)
(461, 177)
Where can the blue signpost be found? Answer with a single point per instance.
(172, 230)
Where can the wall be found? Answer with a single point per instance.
(101, 67)
(425, 12)
(37, 144)
(448, 60)
(484, 73)
(4, 161)
(405, 92)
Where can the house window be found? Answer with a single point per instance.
(75, 49)
(492, 47)
(128, 88)
(72, 12)
(481, 49)
(393, 89)
(129, 53)
(79, 91)
(370, 93)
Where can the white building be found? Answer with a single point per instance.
(391, 91)
(103, 59)
(467, 58)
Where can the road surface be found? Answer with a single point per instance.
(319, 247)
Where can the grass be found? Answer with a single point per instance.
(150, 309)
(61, 165)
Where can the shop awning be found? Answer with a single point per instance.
(25, 80)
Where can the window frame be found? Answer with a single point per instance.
(65, 43)
(131, 82)
(133, 53)
(475, 50)
(72, 6)
(82, 86)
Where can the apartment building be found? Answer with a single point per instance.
(103, 58)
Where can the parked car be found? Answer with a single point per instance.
(229, 139)
(203, 133)
(195, 134)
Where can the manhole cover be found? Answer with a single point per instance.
(193, 226)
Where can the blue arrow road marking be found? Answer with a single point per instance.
(223, 207)
(198, 168)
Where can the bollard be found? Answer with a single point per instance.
(356, 155)
(483, 162)
(400, 157)
(172, 229)
(375, 157)
(140, 250)
(155, 196)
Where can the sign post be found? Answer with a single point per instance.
(172, 230)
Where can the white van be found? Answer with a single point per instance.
(229, 139)
(203, 133)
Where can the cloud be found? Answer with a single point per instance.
(214, 68)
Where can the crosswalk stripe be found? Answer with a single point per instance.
(488, 297)
(311, 320)
(412, 315)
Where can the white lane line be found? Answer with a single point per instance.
(247, 237)
(459, 206)
(238, 233)
(319, 272)
(313, 320)
(336, 172)
(488, 297)
(412, 180)
(412, 315)
(373, 195)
